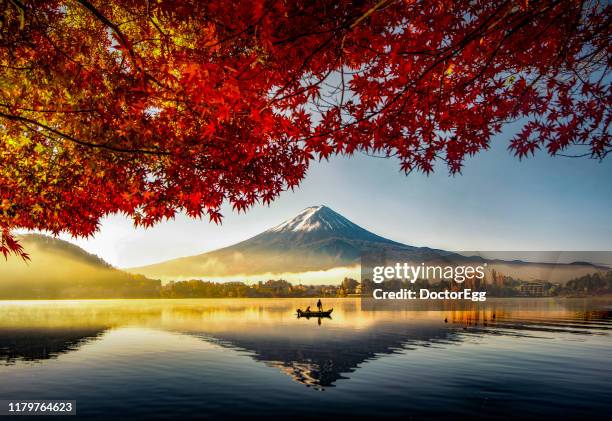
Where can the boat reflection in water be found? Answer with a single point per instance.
(227, 348)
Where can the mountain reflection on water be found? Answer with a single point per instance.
(41, 344)
(314, 352)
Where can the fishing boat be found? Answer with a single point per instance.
(301, 313)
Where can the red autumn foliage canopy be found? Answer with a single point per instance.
(153, 107)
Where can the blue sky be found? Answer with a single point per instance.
(497, 203)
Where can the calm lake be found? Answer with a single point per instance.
(526, 358)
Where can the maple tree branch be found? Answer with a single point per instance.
(321, 46)
(78, 141)
(506, 37)
(304, 64)
(373, 9)
(486, 25)
(18, 4)
(124, 41)
(59, 50)
(8, 245)
(150, 18)
(47, 110)
(583, 155)
(246, 29)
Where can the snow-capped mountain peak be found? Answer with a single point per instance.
(315, 218)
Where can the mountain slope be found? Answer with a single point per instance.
(316, 239)
(59, 269)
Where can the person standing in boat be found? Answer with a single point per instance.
(320, 305)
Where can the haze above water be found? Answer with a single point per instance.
(153, 358)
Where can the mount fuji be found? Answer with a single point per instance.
(318, 240)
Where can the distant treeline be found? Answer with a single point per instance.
(594, 284)
(269, 289)
(109, 285)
